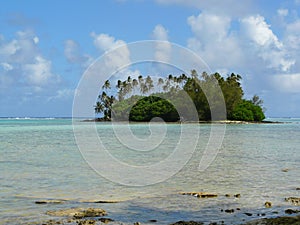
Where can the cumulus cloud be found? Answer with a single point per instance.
(163, 46)
(266, 43)
(256, 28)
(23, 62)
(213, 40)
(104, 42)
(120, 54)
(160, 33)
(39, 72)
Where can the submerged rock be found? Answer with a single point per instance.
(229, 210)
(106, 220)
(201, 194)
(78, 213)
(101, 201)
(291, 211)
(86, 222)
(187, 223)
(49, 202)
(293, 200)
(276, 221)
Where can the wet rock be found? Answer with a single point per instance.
(268, 204)
(229, 210)
(293, 200)
(297, 189)
(277, 221)
(105, 220)
(90, 212)
(248, 214)
(86, 222)
(152, 221)
(101, 201)
(291, 211)
(228, 195)
(237, 195)
(201, 194)
(187, 223)
(40, 202)
(78, 213)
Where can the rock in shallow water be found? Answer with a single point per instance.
(201, 194)
(187, 223)
(78, 213)
(268, 204)
(294, 200)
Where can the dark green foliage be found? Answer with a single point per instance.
(152, 106)
(207, 92)
(247, 111)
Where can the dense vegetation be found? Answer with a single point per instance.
(143, 99)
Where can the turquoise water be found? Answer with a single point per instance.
(40, 160)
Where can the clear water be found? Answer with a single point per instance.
(39, 160)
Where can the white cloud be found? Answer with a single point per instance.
(62, 94)
(6, 66)
(213, 40)
(71, 51)
(39, 73)
(225, 7)
(23, 62)
(289, 83)
(282, 12)
(256, 28)
(10, 48)
(208, 26)
(293, 35)
(119, 57)
(36, 40)
(73, 54)
(160, 33)
(266, 43)
(104, 42)
(163, 47)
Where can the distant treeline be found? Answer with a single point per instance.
(143, 98)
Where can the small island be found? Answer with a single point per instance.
(144, 98)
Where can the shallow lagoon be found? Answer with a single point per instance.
(40, 160)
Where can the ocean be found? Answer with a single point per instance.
(42, 159)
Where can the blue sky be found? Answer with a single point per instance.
(45, 46)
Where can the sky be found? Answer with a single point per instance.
(46, 46)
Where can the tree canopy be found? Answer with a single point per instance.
(142, 98)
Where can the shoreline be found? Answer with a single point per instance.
(57, 211)
(98, 215)
(101, 120)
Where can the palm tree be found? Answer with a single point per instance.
(149, 83)
(99, 107)
(106, 85)
(160, 82)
